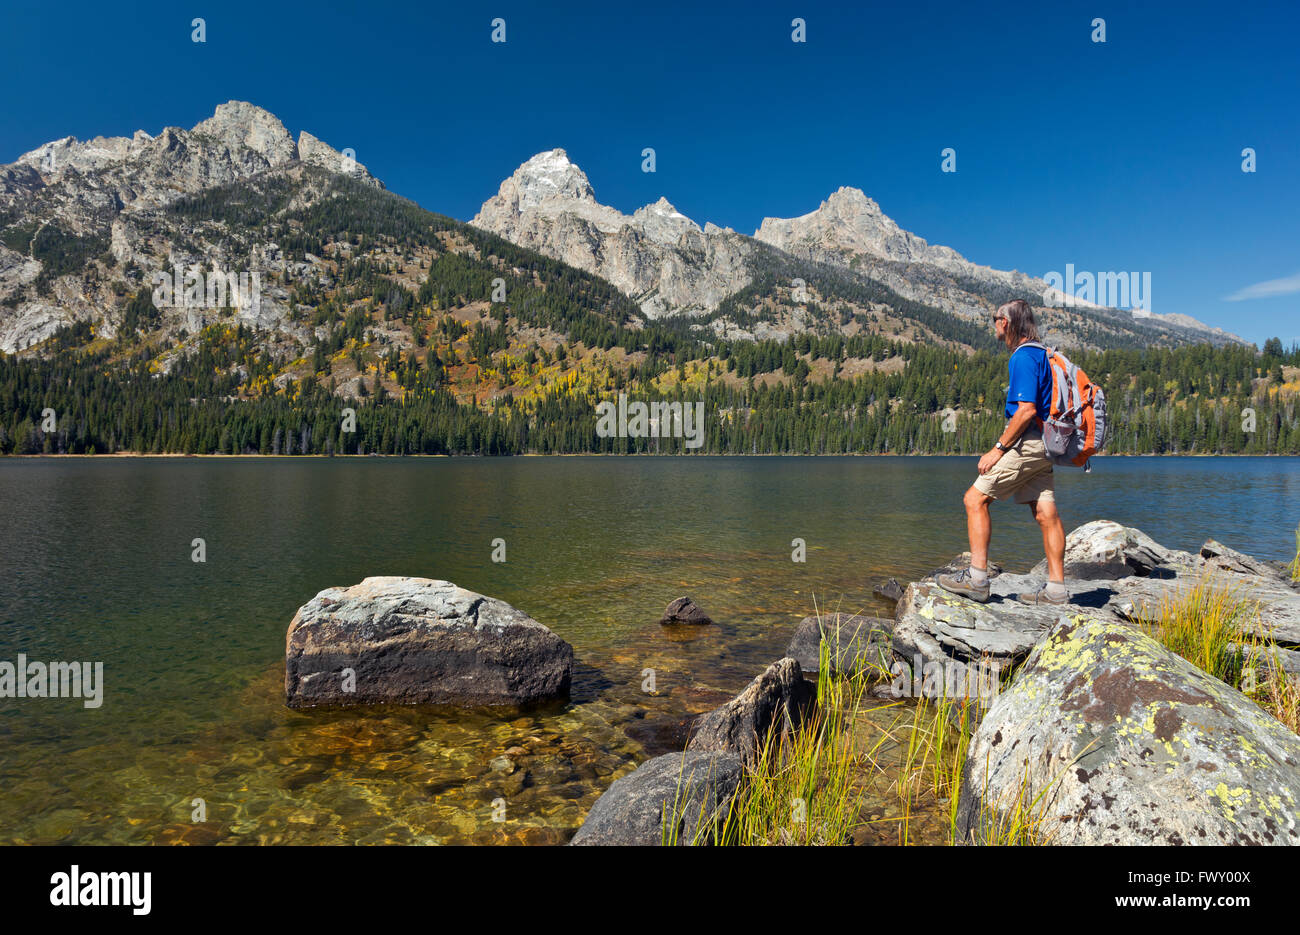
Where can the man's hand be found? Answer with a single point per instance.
(993, 457)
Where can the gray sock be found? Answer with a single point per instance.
(979, 576)
(1056, 590)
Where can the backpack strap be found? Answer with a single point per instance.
(1049, 352)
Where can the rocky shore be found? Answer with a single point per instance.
(1118, 739)
(1115, 738)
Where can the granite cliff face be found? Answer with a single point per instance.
(79, 214)
(659, 257)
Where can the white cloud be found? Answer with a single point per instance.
(1267, 289)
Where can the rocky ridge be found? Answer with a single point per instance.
(670, 265)
(103, 201)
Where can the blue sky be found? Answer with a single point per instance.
(1122, 156)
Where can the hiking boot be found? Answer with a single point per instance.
(1041, 597)
(962, 584)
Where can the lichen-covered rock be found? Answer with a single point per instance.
(855, 645)
(694, 789)
(776, 700)
(1112, 739)
(420, 641)
(684, 610)
(1103, 549)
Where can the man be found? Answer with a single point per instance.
(1018, 465)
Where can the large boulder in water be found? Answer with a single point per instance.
(684, 610)
(776, 700)
(693, 789)
(1106, 737)
(420, 641)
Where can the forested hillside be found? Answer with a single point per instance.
(763, 397)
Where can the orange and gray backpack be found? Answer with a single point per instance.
(1075, 428)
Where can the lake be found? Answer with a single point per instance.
(95, 561)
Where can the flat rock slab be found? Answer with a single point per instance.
(694, 789)
(420, 641)
(1129, 744)
(776, 700)
(856, 645)
(936, 623)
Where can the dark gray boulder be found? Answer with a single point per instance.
(420, 641)
(776, 700)
(1112, 739)
(694, 789)
(684, 610)
(855, 645)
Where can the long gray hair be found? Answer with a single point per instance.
(1020, 322)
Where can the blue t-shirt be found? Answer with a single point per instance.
(1031, 381)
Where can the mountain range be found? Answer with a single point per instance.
(87, 228)
(671, 266)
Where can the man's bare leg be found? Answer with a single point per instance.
(1053, 537)
(979, 527)
(973, 582)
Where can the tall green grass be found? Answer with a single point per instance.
(1207, 626)
(1210, 627)
(801, 788)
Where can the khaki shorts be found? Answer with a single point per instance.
(1025, 470)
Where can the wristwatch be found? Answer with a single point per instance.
(999, 446)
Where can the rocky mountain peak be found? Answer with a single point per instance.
(547, 177)
(849, 223)
(663, 223)
(241, 124)
(657, 253)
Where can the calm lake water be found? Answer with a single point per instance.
(95, 563)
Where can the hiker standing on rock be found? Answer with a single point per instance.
(1018, 464)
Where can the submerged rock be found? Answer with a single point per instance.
(890, 590)
(1128, 743)
(855, 645)
(775, 701)
(694, 789)
(684, 610)
(420, 641)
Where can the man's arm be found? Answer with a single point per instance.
(1025, 414)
